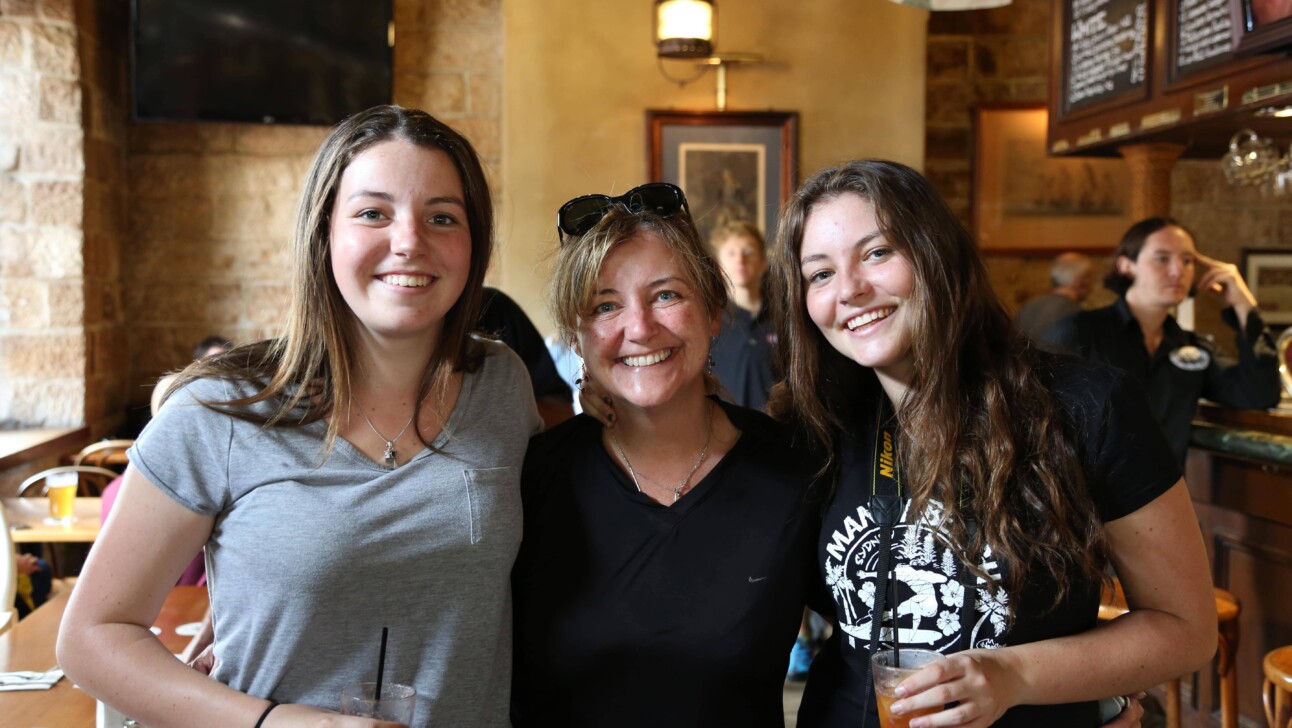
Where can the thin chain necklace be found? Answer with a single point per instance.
(677, 491)
(389, 454)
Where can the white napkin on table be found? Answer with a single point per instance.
(28, 680)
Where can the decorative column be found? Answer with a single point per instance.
(1150, 168)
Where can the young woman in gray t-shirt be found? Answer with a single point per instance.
(360, 471)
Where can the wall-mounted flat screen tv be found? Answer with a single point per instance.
(270, 61)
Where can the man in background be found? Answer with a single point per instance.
(743, 351)
(1072, 276)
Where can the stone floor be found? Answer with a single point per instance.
(793, 693)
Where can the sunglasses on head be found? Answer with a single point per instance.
(579, 215)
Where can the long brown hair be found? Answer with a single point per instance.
(307, 372)
(982, 433)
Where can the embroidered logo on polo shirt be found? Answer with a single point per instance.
(1191, 358)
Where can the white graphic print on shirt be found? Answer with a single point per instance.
(929, 594)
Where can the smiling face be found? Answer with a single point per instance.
(741, 258)
(858, 287)
(645, 334)
(400, 244)
(1163, 272)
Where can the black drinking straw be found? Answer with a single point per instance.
(897, 630)
(381, 663)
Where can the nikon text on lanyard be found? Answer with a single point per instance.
(886, 511)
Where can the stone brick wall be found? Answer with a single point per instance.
(212, 206)
(43, 350)
(102, 27)
(1226, 220)
(985, 57)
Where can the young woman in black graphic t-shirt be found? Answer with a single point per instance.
(1017, 476)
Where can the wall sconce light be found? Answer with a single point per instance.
(686, 30)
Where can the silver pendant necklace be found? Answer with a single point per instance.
(389, 454)
(677, 491)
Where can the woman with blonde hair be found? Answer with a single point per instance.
(358, 472)
(980, 485)
(672, 550)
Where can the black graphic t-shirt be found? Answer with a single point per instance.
(1126, 462)
(631, 613)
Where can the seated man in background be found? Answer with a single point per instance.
(1155, 268)
(1072, 276)
(34, 581)
(210, 346)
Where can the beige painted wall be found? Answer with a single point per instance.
(580, 74)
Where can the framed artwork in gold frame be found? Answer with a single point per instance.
(1027, 202)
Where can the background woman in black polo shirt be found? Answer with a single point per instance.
(1156, 267)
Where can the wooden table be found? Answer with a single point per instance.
(23, 446)
(32, 512)
(29, 645)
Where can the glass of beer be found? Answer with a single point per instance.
(61, 489)
(396, 702)
(888, 673)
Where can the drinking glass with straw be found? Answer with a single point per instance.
(890, 668)
(380, 699)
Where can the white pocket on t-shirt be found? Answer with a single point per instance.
(493, 495)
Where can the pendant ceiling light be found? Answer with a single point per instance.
(684, 28)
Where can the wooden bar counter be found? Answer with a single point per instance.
(1239, 472)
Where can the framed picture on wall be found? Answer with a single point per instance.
(1269, 274)
(1026, 202)
(732, 165)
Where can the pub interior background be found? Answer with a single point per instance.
(123, 242)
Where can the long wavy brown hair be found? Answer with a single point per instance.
(307, 372)
(982, 434)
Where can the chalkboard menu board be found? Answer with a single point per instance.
(1202, 33)
(1106, 49)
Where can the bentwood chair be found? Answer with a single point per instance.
(1112, 604)
(93, 480)
(8, 574)
(104, 454)
(1277, 690)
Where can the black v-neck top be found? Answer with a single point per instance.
(632, 613)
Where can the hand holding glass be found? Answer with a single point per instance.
(396, 702)
(888, 673)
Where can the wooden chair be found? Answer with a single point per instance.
(1277, 691)
(1113, 604)
(93, 480)
(104, 454)
(8, 575)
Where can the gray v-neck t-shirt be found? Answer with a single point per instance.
(307, 561)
